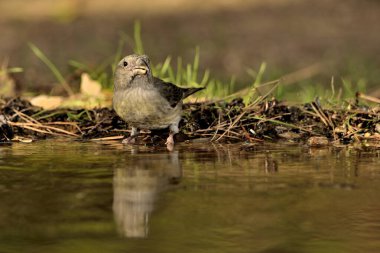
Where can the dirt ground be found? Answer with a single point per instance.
(343, 35)
(222, 122)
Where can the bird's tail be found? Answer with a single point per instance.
(190, 91)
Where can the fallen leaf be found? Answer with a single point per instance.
(22, 139)
(47, 102)
(90, 87)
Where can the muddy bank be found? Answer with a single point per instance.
(223, 122)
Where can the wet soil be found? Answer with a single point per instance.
(202, 122)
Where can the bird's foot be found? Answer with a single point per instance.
(129, 140)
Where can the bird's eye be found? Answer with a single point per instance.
(125, 64)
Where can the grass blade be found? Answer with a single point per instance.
(165, 66)
(188, 74)
(52, 68)
(179, 71)
(11, 70)
(195, 65)
(205, 78)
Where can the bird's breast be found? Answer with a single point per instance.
(145, 108)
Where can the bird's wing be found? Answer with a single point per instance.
(172, 93)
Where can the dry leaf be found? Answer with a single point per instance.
(47, 102)
(90, 87)
(22, 139)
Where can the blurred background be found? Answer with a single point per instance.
(338, 38)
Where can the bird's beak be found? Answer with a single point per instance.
(140, 70)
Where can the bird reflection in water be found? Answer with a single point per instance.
(136, 186)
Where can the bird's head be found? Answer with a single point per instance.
(133, 70)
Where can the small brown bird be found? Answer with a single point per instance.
(144, 101)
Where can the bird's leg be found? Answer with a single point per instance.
(170, 140)
(132, 138)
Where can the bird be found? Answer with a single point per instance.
(144, 101)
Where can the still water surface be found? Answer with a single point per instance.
(58, 196)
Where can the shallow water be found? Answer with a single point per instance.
(58, 196)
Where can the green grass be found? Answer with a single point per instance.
(298, 87)
(52, 68)
(5, 71)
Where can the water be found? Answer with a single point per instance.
(59, 196)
